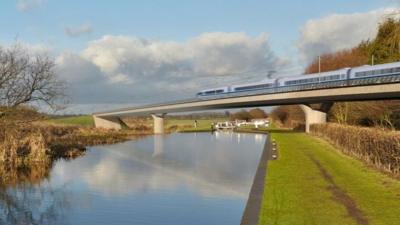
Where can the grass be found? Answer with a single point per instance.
(86, 120)
(313, 183)
(184, 125)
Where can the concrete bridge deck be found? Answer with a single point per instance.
(110, 119)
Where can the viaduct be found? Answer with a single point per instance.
(112, 119)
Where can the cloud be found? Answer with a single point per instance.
(338, 31)
(78, 31)
(27, 5)
(121, 69)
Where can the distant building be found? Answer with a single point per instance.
(260, 122)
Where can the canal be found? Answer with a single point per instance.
(193, 178)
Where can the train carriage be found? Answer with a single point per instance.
(312, 81)
(209, 93)
(265, 86)
(383, 73)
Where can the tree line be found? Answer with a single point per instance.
(256, 113)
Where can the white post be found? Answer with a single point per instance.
(319, 64)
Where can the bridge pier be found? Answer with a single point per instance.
(108, 122)
(158, 123)
(312, 116)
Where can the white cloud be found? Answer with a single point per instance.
(27, 5)
(122, 69)
(77, 31)
(338, 31)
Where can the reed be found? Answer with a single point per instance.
(43, 142)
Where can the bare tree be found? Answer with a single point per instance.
(26, 78)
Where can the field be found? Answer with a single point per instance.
(314, 183)
(85, 120)
(186, 125)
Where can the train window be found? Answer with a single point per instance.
(361, 74)
(290, 82)
(254, 87)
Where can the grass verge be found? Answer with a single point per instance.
(314, 183)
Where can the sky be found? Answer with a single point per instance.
(126, 53)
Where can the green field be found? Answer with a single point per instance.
(86, 120)
(185, 125)
(313, 183)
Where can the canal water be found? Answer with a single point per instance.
(193, 178)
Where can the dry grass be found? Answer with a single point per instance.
(139, 123)
(29, 143)
(376, 147)
(41, 142)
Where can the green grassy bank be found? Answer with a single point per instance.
(313, 183)
(85, 120)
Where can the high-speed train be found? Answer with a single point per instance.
(364, 75)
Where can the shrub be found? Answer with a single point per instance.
(377, 147)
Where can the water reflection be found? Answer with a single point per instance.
(158, 145)
(18, 173)
(25, 198)
(174, 179)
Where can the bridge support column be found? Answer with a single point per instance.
(312, 116)
(158, 123)
(108, 122)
